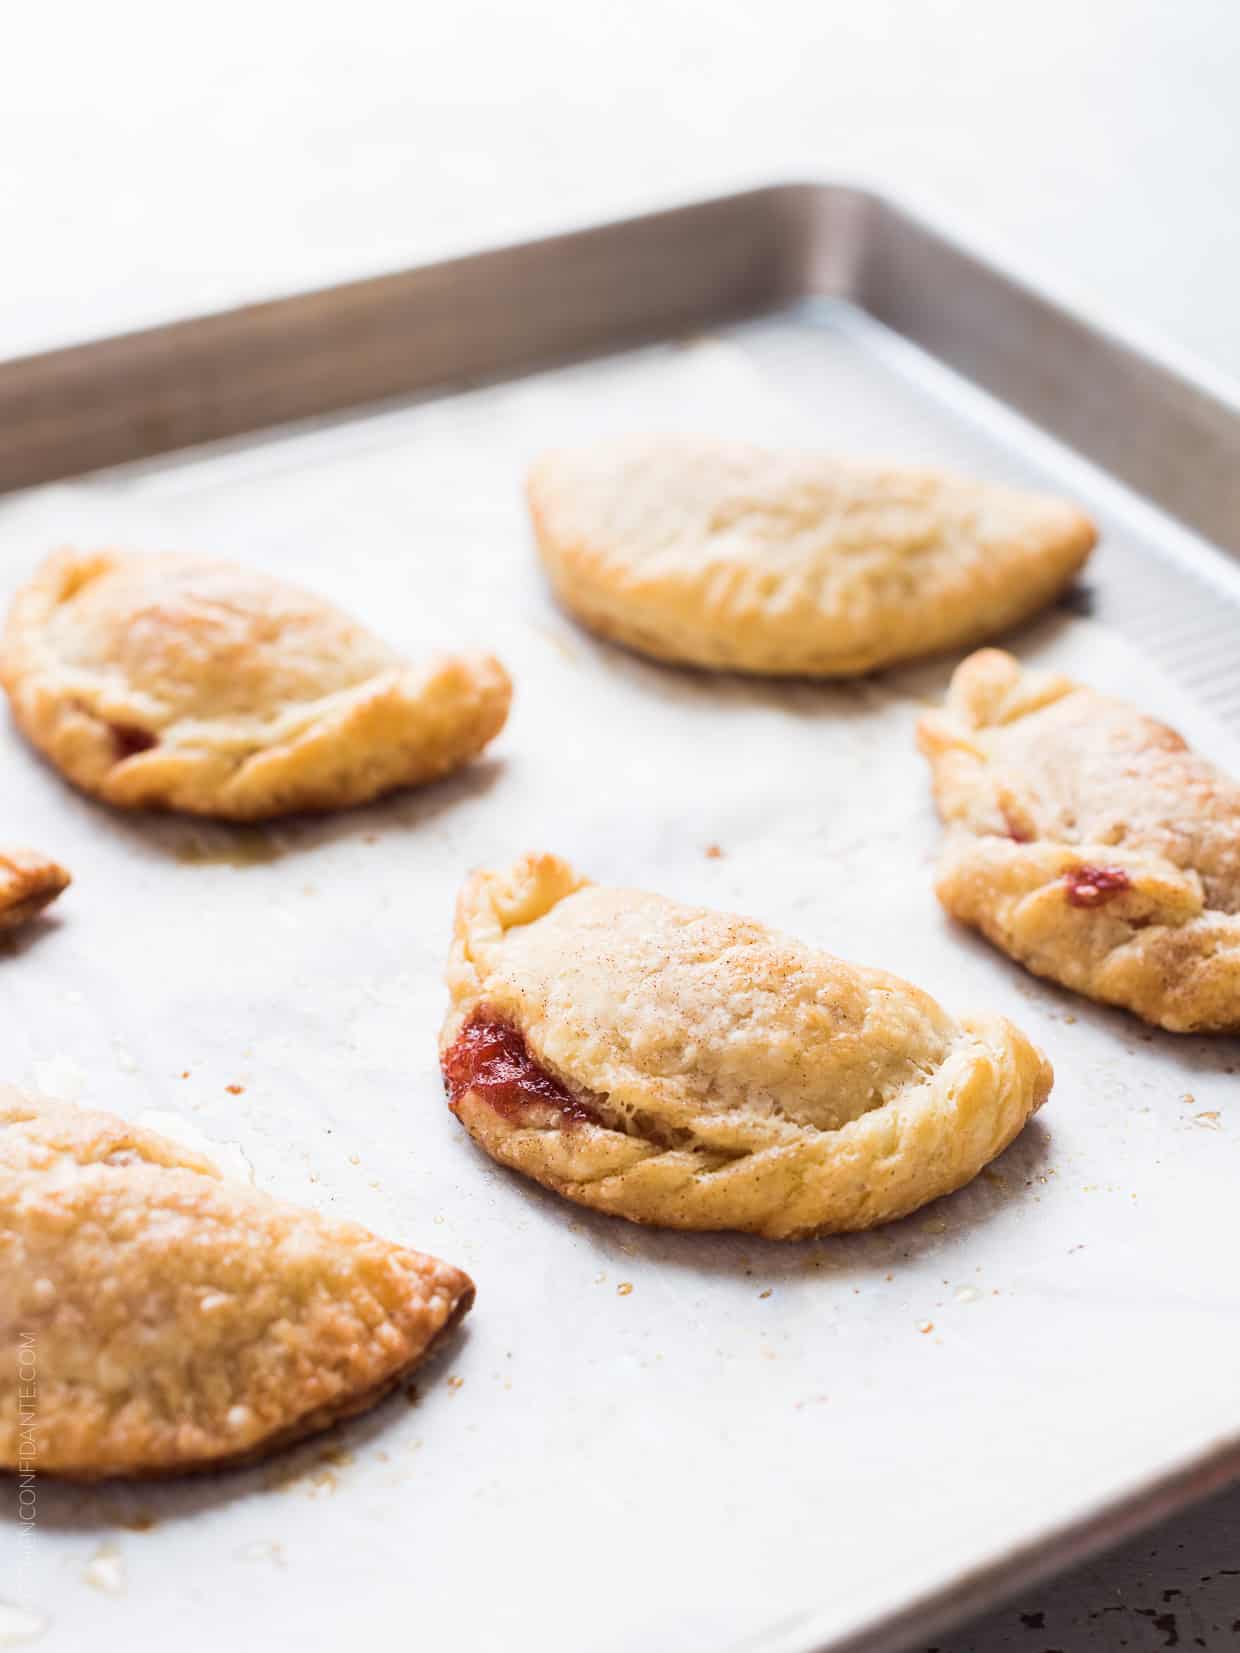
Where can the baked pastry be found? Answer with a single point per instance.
(724, 555)
(1087, 841)
(693, 1069)
(177, 1321)
(158, 681)
(28, 883)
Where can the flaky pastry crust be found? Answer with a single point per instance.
(1088, 842)
(158, 681)
(170, 1320)
(716, 1074)
(28, 883)
(724, 555)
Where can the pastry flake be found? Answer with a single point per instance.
(693, 1069)
(728, 556)
(160, 681)
(1088, 842)
(179, 1321)
(28, 883)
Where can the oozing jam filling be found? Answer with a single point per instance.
(1091, 886)
(490, 1058)
(129, 740)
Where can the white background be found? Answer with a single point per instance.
(162, 160)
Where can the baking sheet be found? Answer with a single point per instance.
(759, 1445)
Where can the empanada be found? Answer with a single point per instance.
(1087, 841)
(693, 1069)
(160, 681)
(170, 1320)
(28, 883)
(724, 555)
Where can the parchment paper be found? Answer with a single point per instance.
(759, 1444)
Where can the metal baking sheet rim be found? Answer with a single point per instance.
(39, 393)
(1166, 426)
(989, 1586)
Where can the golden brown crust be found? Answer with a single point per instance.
(174, 682)
(28, 883)
(731, 1077)
(1089, 843)
(171, 1320)
(728, 556)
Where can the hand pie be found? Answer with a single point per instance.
(1088, 842)
(176, 1321)
(723, 555)
(28, 882)
(693, 1069)
(172, 682)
